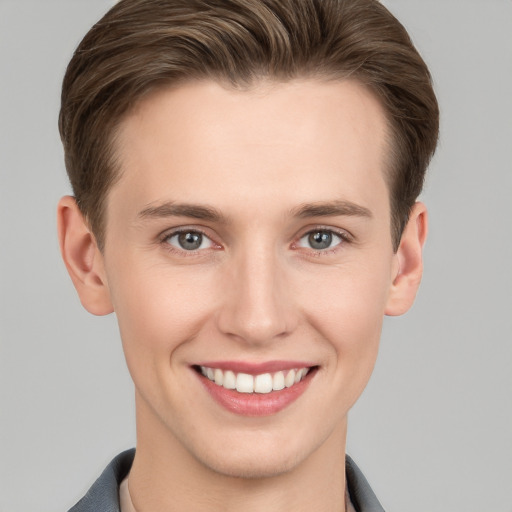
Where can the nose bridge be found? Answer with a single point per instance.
(257, 308)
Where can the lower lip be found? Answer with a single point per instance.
(256, 404)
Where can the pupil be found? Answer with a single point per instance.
(320, 240)
(190, 241)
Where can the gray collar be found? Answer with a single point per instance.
(104, 494)
(359, 489)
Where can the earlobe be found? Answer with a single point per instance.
(82, 258)
(409, 262)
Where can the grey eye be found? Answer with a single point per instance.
(320, 240)
(189, 241)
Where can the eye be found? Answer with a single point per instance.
(320, 240)
(189, 240)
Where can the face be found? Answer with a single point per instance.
(248, 239)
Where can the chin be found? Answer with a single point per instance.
(259, 456)
(254, 468)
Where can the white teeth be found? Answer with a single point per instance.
(278, 381)
(229, 380)
(246, 383)
(218, 377)
(289, 379)
(263, 383)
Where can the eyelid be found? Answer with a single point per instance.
(203, 238)
(346, 237)
(169, 233)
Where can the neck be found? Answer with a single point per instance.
(166, 476)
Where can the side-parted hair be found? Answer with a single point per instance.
(140, 45)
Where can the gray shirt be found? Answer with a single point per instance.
(103, 496)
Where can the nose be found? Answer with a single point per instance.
(258, 306)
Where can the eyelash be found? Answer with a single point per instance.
(164, 240)
(345, 238)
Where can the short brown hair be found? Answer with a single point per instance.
(141, 44)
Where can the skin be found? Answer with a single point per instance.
(255, 291)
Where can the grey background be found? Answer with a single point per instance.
(433, 430)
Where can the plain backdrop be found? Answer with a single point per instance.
(433, 430)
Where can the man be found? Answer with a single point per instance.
(245, 176)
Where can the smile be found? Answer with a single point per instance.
(262, 383)
(255, 389)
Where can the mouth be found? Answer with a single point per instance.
(254, 392)
(261, 383)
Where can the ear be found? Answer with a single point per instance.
(82, 257)
(409, 259)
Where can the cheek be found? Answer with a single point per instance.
(348, 302)
(347, 312)
(158, 309)
(352, 327)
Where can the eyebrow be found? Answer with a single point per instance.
(306, 210)
(331, 208)
(171, 209)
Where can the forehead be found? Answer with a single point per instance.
(295, 141)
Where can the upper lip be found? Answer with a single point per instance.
(255, 368)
